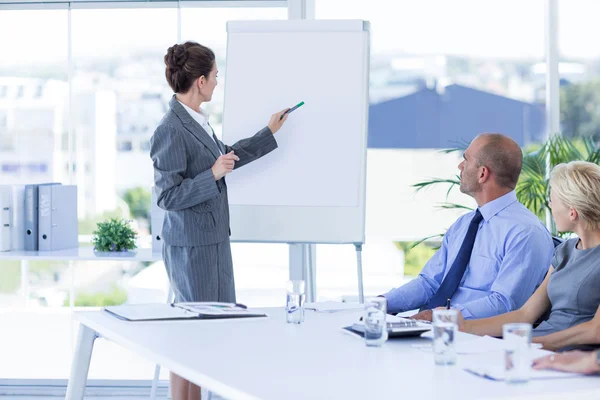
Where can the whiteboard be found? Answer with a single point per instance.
(312, 188)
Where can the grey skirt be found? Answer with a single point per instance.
(201, 273)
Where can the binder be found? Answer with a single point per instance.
(17, 221)
(157, 216)
(5, 210)
(57, 217)
(31, 215)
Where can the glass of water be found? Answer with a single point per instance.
(445, 328)
(517, 355)
(374, 319)
(294, 305)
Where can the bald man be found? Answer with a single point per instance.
(491, 259)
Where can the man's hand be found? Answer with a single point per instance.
(425, 315)
(572, 361)
(460, 321)
(224, 165)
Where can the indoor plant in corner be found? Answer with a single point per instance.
(114, 238)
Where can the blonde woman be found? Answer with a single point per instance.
(570, 289)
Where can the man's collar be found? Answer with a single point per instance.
(489, 210)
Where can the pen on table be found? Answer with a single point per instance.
(448, 304)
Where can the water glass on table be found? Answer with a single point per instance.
(294, 304)
(374, 318)
(517, 353)
(445, 328)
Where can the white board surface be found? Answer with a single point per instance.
(316, 178)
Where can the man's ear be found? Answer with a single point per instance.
(484, 174)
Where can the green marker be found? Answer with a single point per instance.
(292, 109)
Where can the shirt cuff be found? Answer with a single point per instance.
(395, 302)
(464, 311)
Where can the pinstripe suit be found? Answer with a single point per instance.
(195, 231)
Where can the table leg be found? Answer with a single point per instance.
(81, 363)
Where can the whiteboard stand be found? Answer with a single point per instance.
(302, 267)
(311, 270)
(361, 293)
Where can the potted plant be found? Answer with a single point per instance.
(114, 237)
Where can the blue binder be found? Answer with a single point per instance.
(31, 215)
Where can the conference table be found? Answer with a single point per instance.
(269, 359)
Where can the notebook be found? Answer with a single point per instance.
(181, 311)
(397, 327)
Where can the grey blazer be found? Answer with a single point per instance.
(183, 154)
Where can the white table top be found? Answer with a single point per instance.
(81, 253)
(271, 360)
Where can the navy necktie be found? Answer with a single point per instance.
(453, 278)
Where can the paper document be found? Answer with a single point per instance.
(496, 372)
(479, 345)
(217, 309)
(332, 306)
(565, 393)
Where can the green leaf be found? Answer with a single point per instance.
(453, 206)
(423, 185)
(415, 244)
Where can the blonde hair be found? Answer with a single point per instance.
(577, 185)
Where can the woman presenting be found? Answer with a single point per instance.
(190, 165)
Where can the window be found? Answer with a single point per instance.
(3, 119)
(125, 145)
(30, 126)
(145, 145)
(439, 76)
(579, 69)
(428, 49)
(118, 77)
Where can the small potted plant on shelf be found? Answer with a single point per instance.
(114, 238)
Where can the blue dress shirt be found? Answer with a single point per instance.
(511, 255)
